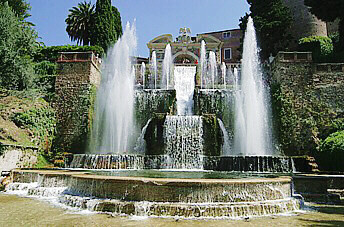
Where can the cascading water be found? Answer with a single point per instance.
(203, 62)
(184, 142)
(226, 147)
(114, 107)
(212, 68)
(167, 68)
(143, 71)
(252, 126)
(185, 86)
(154, 68)
(224, 72)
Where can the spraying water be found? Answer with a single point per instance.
(185, 86)
(167, 68)
(114, 107)
(252, 126)
(154, 68)
(203, 62)
(224, 71)
(212, 68)
(143, 71)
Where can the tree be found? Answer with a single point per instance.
(329, 12)
(19, 7)
(104, 30)
(118, 22)
(17, 44)
(80, 22)
(272, 20)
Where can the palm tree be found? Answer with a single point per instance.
(80, 23)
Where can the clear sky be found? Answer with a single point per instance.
(153, 17)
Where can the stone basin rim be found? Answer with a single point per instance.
(86, 175)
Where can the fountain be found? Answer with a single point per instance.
(143, 71)
(224, 72)
(167, 68)
(203, 62)
(252, 126)
(154, 69)
(177, 166)
(114, 107)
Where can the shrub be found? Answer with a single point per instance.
(331, 152)
(51, 53)
(321, 47)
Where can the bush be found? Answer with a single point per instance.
(51, 53)
(321, 47)
(331, 152)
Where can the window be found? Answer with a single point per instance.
(228, 53)
(226, 35)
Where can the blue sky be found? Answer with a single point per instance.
(153, 17)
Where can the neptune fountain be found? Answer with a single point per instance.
(161, 148)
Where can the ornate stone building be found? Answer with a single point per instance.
(186, 48)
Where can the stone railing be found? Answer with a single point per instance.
(80, 57)
(294, 56)
(329, 67)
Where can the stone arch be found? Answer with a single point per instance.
(186, 54)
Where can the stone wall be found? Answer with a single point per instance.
(304, 23)
(75, 92)
(307, 98)
(14, 156)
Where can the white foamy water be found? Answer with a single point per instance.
(252, 126)
(185, 86)
(114, 108)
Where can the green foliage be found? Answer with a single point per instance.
(19, 7)
(41, 121)
(51, 53)
(42, 162)
(104, 29)
(80, 22)
(100, 26)
(272, 20)
(321, 46)
(331, 152)
(17, 44)
(329, 12)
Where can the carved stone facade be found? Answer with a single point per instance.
(186, 48)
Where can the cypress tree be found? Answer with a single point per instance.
(104, 33)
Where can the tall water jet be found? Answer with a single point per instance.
(212, 68)
(143, 71)
(167, 68)
(203, 62)
(252, 128)
(185, 86)
(114, 107)
(154, 68)
(224, 72)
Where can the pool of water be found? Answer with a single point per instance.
(185, 174)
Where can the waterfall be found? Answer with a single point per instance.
(167, 68)
(252, 127)
(114, 107)
(154, 68)
(141, 143)
(184, 142)
(185, 86)
(203, 62)
(143, 71)
(226, 147)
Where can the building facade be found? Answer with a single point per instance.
(186, 49)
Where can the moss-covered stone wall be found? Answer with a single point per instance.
(75, 92)
(307, 101)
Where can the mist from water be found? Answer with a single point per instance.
(113, 123)
(252, 121)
